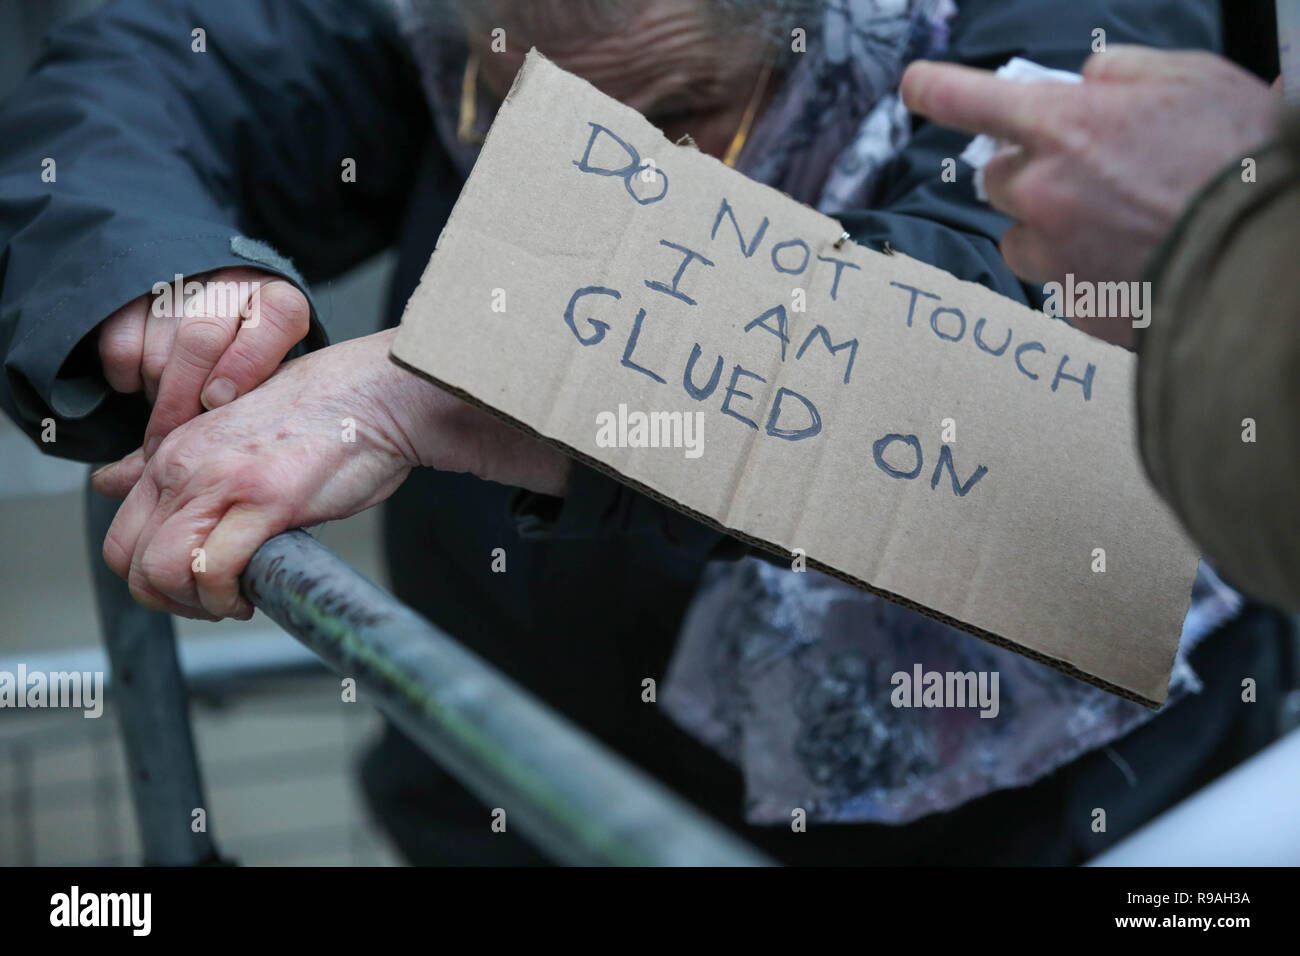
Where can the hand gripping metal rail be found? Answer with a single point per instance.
(571, 796)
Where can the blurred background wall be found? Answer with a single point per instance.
(278, 756)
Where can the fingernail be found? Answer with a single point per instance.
(220, 391)
(151, 446)
(101, 469)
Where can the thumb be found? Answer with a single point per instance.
(117, 480)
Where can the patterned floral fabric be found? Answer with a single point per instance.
(788, 675)
(838, 118)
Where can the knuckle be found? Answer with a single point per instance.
(172, 467)
(246, 365)
(281, 304)
(1042, 203)
(1059, 114)
(1023, 251)
(194, 460)
(166, 573)
(251, 484)
(1115, 63)
(996, 176)
(202, 337)
(220, 296)
(1057, 134)
(118, 352)
(1001, 185)
(152, 364)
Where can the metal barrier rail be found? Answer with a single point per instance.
(574, 798)
(571, 796)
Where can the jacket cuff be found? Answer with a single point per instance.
(50, 371)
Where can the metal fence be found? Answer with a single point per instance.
(572, 797)
(279, 755)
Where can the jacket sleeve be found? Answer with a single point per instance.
(165, 137)
(1218, 382)
(916, 213)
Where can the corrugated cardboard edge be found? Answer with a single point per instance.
(1063, 666)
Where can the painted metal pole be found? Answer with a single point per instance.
(567, 793)
(152, 710)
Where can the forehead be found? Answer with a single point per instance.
(634, 53)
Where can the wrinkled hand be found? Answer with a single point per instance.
(1097, 173)
(328, 435)
(205, 352)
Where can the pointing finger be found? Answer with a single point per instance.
(977, 101)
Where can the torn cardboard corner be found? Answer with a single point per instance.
(910, 433)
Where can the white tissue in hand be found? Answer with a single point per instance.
(982, 147)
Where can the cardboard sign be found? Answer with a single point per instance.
(706, 340)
